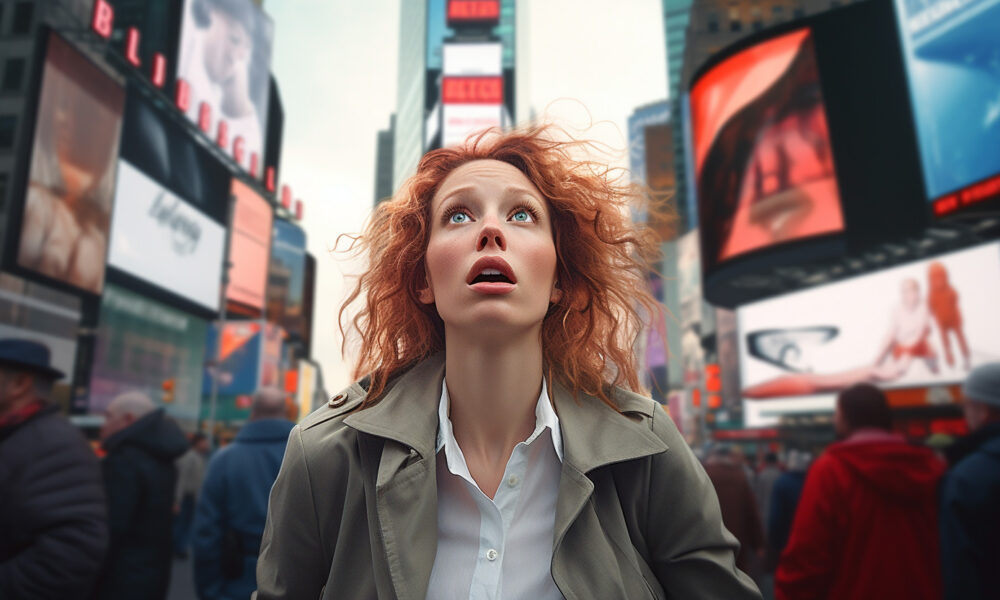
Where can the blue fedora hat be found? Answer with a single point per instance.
(28, 355)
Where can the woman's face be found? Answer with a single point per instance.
(491, 260)
(227, 47)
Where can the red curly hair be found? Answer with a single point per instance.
(602, 258)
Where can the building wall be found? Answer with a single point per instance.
(408, 145)
(383, 162)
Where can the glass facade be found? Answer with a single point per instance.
(676, 17)
(409, 145)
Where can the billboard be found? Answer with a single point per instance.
(140, 345)
(923, 324)
(472, 90)
(67, 207)
(286, 276)
(759, 117)
(237, 368)
(249, 247)
(161, 239)
(950, 51)
(225, 60)
(473, 12)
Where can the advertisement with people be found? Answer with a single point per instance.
(71, 181)
(759, 117)
(159, 238)
(951, 53)
(927, 323)
(249, 247)
(225, 59)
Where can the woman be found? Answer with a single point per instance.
(490, 453)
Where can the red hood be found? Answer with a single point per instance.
(892, 467)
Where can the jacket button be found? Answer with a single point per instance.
(491, 555)
(337, 401)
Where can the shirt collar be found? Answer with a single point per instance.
(545, 418)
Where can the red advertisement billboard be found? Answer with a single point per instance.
(249, 247)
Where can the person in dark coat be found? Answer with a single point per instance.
(784, 501)
(739, 507)
(970, 494)
(53, 519)
(232, 509)
(142, 444)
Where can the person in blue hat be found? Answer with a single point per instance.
(53, 516)
(970, 494)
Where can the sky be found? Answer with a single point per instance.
(586, 64)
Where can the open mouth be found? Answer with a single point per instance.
(491, 276)
(491, 269)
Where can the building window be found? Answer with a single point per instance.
(757, 20)
(13, 75)
(778, 13)
(8, 125)
(23, 13)
(734, 18)
(713, 23)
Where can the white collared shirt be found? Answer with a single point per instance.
(500, 548)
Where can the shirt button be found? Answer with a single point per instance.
(513, 480)
(491, 555)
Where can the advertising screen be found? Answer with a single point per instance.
(67, 207)
(225, 58)
(926, 323)
(159, 238)
(951, 51)
(249, 247)
(140, 345)
(237, 369)
(759, 118)
(285, 278)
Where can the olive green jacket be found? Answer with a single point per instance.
(353, 513)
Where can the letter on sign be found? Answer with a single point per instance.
(159, 70)
(183, 98)
(238, 149)
(104, 19)
(205, 117)
(269, 179)
(472, 90)
(132, 47)
(286, 196)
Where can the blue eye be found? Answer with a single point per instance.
(458, 217)
(522, 216)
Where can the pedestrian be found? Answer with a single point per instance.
(142, 444)
(53, 517)
(784, 502)
(232, 509)
(970, 494)
(190, 474)
(739, 507)
(866, 523)
(763, 484)
(498, 446)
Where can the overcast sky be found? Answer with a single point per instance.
(335, 62)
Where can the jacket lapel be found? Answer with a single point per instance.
(406, 485)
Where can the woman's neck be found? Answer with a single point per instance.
(493, 389)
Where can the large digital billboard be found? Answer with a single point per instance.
(68, 201)
(764, 169)
(249, 247)
(926, 323)
(225, 60)
(142, 345)
(951, 51)
(286, 276)
(236, 370)
(161, 239)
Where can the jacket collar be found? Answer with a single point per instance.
(593, 434)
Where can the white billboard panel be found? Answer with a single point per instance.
(462, 120)
(472, 59)
(926, 323)
(163, 240)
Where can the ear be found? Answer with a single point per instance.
(556, 294)
(426, 294)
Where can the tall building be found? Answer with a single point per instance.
(676, 16)
(383, 161)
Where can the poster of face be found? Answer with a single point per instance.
(249, 247)
(923, 324)
(951, 52)
(225, 58)
(140, 345)
(763, 160)
(67, 207)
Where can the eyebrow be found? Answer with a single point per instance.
(509, 191)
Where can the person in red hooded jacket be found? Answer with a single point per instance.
(866, 524)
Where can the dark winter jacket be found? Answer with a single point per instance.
(139, 476)
(784, 501)
(53, 520)
(234, 499)
(739, 507)
(970, 517)
(865, 526)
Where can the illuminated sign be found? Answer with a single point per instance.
(472, 90)
(462, 120)
(472, 59)
(975, 193)
(485, 12)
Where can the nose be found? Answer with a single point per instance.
(491, 234)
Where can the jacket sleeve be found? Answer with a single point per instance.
(962, 532)
(62, 507)
(121, 480)
(208, 531)
(291, 563)
(691, 552)
(806, 567)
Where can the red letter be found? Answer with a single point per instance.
(286, 196)
(222, 137)
(254, 165)
(104, 19)
(183, 97)
(205, 117)
(238, 145)
(298, 210)
(132, 47)
(269, 179)
(159, 70)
